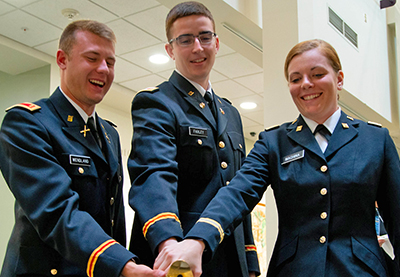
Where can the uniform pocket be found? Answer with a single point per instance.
(196, 158)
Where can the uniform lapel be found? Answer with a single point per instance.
(345, 131)
(73, 123)
(193, 97)
(109, 144)
(301, 134)
(222, 114)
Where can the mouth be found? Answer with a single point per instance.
(311, 96)
(97, 83)
(199, 60)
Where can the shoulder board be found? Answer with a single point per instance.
(272, 127)
(110, 122)
(375, 124)
(149, 89)
(26, 105)
(226, 99)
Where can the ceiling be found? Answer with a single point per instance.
(139, 27)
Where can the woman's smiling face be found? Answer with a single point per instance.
(314, 85)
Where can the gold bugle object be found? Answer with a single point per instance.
(180, 268)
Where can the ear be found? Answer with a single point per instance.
(340, 82)
(62, 59)
(170, 50)
(216, 44)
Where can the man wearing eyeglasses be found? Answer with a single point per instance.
(187, 143)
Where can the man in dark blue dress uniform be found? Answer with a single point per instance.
(187, 144)
(63, 164)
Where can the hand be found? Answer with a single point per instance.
(252, 274)
(132, 269)
(165, 243)
(188, 250)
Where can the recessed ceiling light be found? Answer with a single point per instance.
(158, 59)
(248, 105)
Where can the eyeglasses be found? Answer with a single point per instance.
(188, 39)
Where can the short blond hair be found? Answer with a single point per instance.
(67, 39)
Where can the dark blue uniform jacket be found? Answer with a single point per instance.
(325, 201)
(180, 158)
(69, 213)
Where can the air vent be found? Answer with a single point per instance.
(343, 28)
(335, 20)
(350, 35)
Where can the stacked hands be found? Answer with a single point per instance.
(189, 250)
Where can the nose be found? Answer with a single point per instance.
(307, 83)
(197, 45)
(103, 67)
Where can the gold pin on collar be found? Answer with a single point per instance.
(190, 93)
(70, 118)
(202, 105)
(84, 131)
(299, 128)
(108, 139)
(345, 126)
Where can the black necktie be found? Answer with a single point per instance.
(208, 97)
(93, 130)
(323, 131)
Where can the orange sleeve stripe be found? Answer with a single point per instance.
(96, 254)
(250, 248)
(158, 218)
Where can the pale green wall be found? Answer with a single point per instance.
(26, 87)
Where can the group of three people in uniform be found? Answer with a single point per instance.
(66, 172)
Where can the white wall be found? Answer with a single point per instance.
(365, 68)
(26, 87)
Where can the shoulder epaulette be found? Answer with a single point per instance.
(111, 123)
(26, 105)
(272, 127)
(227, 100)
(149, 89)
(375, 124)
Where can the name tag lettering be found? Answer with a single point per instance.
(79, 160)
(198, 132)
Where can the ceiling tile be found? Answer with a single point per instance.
(248, 121)
(129, 37)
(49, 47)
(165, 74)
(5, 8)
(256, 116)
(259, 100)
(215, 76)
(224, 49)
(123, 8)
(230, 89)
(50, 11)
(141, 58)
(125, 70)
(12, 59)
(19, 3)
(152, 21)
(235, 65)
(144, 82)
(38, 32)
(254, 82)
